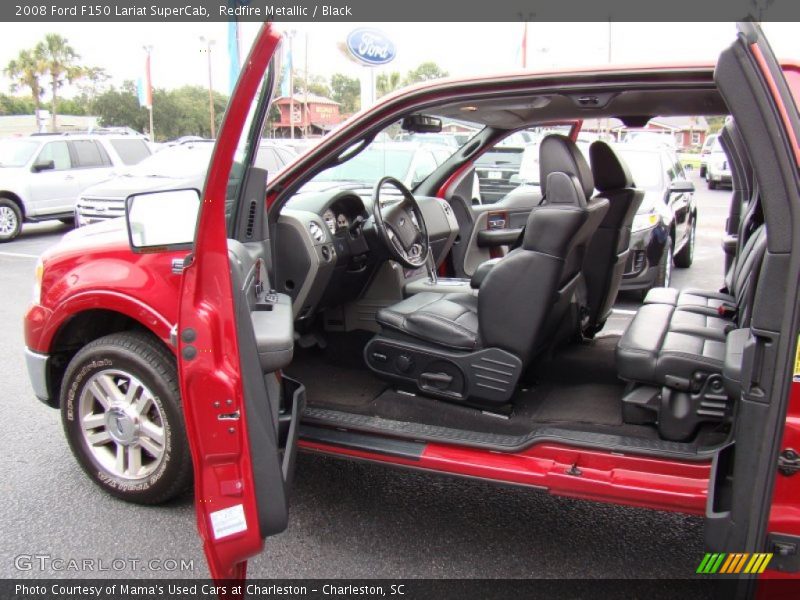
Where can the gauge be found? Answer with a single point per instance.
(342, 221)
(330, 220)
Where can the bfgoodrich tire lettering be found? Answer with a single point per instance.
(120, 408)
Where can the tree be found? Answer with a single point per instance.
(347, 92)
(26, 71)
(425, 72)
(15, 105)
(60, 62)
(318, 85)
(93, 82)
(386, 83)
(120, 108)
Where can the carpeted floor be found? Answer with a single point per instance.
(577, 387)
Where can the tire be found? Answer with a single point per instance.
(68, 221)
(684, 257)
(712, 185)
(702, 172)
(135, 450)
(10, 220)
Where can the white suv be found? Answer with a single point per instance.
(41, 176)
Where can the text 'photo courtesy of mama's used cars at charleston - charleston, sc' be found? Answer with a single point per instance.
(290, 255)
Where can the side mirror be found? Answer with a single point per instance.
(44, 165)
(681, 186)
(160, 221)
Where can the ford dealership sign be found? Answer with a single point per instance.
(370, 47)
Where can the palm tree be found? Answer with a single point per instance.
(26, 71)
(387, 83)
(60, 63)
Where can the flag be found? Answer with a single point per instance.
(286, 84)
(234, 62)
(144, 86)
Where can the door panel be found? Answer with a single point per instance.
(233, 408)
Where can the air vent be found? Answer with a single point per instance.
(316, 232)
(251, 220)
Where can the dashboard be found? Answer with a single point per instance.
(328, 250)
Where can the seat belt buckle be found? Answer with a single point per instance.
(727, 311)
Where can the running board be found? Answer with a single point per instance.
(361, 441)
(418, 434)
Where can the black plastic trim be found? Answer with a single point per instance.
(360, 441)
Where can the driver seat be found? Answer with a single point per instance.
(473, 348)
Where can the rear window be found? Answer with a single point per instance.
(90, 154)
(131, 151)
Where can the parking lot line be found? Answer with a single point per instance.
(18, 255)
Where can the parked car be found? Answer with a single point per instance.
(718, 170)
(224, 338)
(705, 151)
(664, 229)
(41, 176)
(179, 166)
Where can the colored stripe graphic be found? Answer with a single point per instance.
(734, 563)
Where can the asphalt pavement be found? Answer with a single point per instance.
(348, 519)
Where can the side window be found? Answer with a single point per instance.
(268, 159)
(679, 173)
(285, 156)
(90, 154)
(669, 167)
(131, 151)
(58, 152)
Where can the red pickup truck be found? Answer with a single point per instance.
(209, 335)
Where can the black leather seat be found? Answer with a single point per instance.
(461, 347)
(608, 250)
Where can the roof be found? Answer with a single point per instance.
(310, 98)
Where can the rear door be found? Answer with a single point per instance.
(241, 417)
(753, 499)
(92, 165)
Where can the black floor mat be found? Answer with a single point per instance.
(576, 388)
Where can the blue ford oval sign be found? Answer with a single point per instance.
(370, 46)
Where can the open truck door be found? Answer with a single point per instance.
(752, 502)
(234, 336)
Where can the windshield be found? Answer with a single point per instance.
(644, 166)
(177, 162)
(409, 158)
(372, 164)
(16, 153)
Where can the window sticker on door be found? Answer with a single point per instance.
(228, 521)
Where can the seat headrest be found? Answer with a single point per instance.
(558, 153)
(609, 170)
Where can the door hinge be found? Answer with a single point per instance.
(789, 462)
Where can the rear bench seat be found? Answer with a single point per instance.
(674, 350)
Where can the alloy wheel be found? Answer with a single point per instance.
(8, 221)
(122, 425)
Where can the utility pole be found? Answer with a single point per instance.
(149, 50)
(208, 44)
(291, 84)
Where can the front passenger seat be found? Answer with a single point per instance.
(608, 250)
(452, 347)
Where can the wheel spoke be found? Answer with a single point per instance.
(120, 464)
(93, 421)
(134, 459)
(110, 387)
(142, 402)
(151, 447)
(98, 438)
(152, 431)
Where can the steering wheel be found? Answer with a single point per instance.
(401, 225)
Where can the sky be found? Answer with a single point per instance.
(460, 48)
